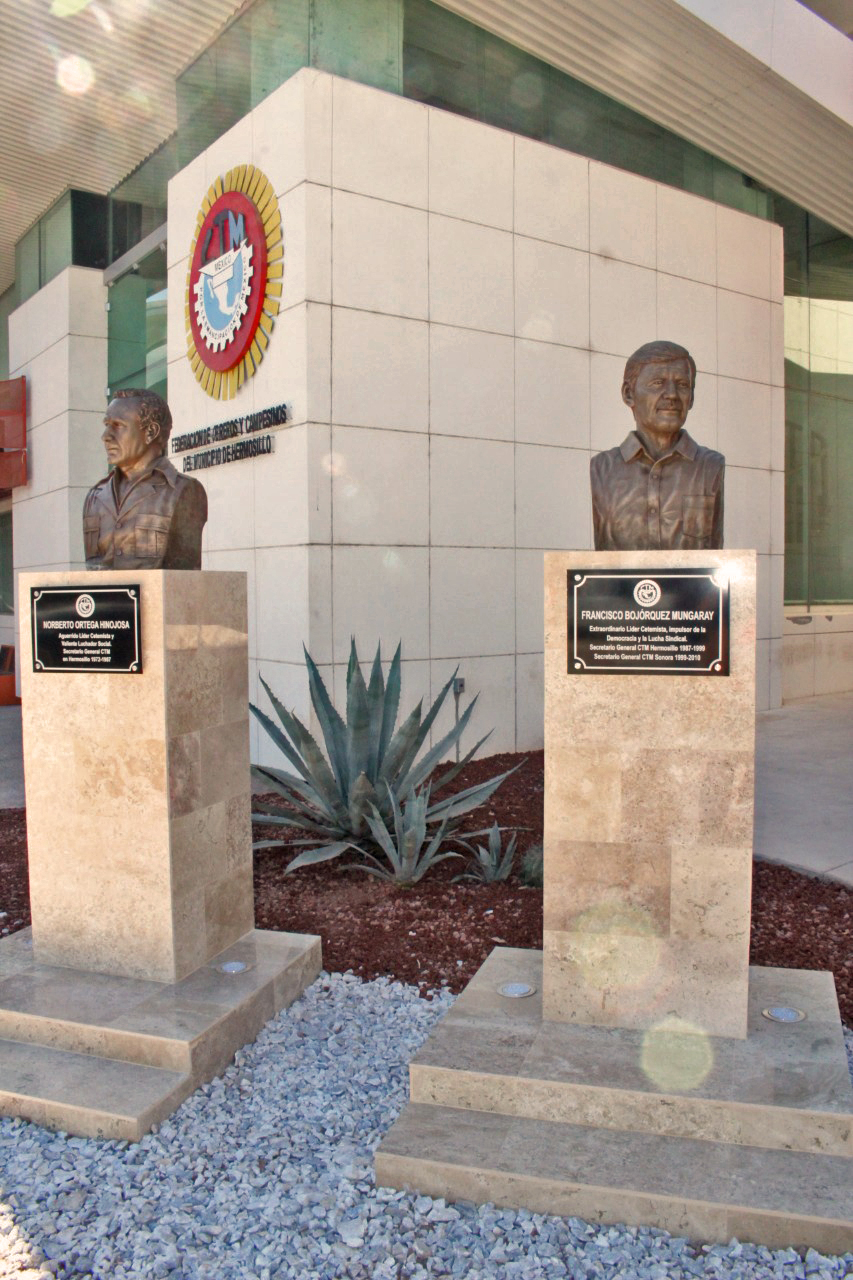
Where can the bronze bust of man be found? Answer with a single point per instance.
(144, 514)
(659, 490)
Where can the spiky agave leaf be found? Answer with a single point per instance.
(413, 746)
(427, 763)
(471, 798)
(304, 753)
(324, 854)
(375, 710)
(362, 794)
(331, 725)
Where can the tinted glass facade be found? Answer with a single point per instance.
(7, 593)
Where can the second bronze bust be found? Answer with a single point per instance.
(144, 514)
(659, 490)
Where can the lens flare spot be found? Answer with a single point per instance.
(391, 561)
(139, 100)
(104, 20)
(677, 1055)
(334, 464)
(75, 74)
(67, 8)
(616, 946)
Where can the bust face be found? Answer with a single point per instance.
(127, 443)
(661, 397)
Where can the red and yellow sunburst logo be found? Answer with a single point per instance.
(234, 281)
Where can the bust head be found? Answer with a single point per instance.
(658, 386)
(137, 424)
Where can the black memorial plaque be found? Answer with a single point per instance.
(667, 622)
(86, 629)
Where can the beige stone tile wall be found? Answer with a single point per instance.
(138, 786)
(648, 824)
(458, 306)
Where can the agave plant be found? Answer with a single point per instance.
(411, 851)
(373, 772)
(491, 863)
(533, 867)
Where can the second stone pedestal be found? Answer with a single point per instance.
(649, 782)
(639, 1080)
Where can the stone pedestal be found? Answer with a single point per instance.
(143, 972)
(649, 785)
(138, 786)
(639, 1080)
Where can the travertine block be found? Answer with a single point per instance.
(648, 822)
(138, 786)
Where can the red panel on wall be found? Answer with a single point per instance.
(13, 433)
(13, 468)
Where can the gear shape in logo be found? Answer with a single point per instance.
(647, 593)
(213, 282)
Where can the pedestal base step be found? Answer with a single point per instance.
(84, 1095)
(104, 1056)
(704, 1190)
(702, 1135)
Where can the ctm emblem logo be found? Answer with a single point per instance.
(234, 281)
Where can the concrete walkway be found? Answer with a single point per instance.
(803, 785)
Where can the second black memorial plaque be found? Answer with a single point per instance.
(671, 622)
(87, 629)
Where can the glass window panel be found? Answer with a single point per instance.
(515, 89)
(819, 408)
(88, 229)
(831, 478)
(359, 39)
(442, 63)
(137, 327)
(8, 302)
(7, 595)
(280, 44)
(27, 278)
(215, 91)
(796, 495)
(56, 240)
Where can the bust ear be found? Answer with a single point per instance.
(628, 394)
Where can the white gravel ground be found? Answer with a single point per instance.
(266, 1174)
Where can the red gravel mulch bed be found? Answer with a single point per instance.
(439, 932)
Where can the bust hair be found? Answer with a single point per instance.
(656, 353)
(153, 410)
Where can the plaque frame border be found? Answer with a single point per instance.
(133, 590)
(575, 665)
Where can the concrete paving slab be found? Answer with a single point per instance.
(803, 792)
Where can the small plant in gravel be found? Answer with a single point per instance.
(533, 867)
(372, 775)
(492, 862)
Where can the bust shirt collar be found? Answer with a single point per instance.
(161, 464)
(632, 446)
